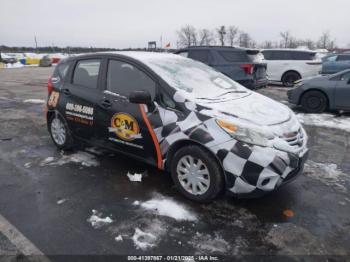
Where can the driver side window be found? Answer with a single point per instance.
(123, 78)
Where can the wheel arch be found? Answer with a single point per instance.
(315, 89)
(186, 142)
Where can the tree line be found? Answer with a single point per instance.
(223, 35)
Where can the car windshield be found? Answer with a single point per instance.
(197, 79)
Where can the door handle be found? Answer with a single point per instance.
(106, 103)
(66, 92)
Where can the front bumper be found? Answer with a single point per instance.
(252, 171)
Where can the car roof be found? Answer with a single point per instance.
(290, 49)
(142, 56)
(231, 48)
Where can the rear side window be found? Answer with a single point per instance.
(303, 55)
(234, 56)
(86, 73)
(343, 58)
(200, 55)
(123, 78)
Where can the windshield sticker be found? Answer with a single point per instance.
(125, 127)
(53, 100)
(222, 83)
(80, 114)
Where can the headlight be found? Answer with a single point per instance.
(252, 135)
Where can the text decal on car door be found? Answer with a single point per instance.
(125, 127)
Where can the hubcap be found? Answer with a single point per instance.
(314, 102)
(58, 131)
(193, 175)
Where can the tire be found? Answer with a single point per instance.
(65, 141)
(289, 78)
(209, 177)
(314, 102)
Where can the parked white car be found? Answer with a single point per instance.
(290, 65)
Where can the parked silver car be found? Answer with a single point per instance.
(320, 93)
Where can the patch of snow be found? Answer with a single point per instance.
(170, 208)
(207, 243)
(34, 101)
(97, 221)
(328, 174)
(118, 238)
(27, 165)
(14, 65)
(136, 203)
(61, 201)
(325, 120)
(143, 240)
(80, 157)
(135, 177)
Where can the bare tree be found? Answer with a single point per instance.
(187, 36)
(267, 45)
(205, 37)
(232, 33)
(245, 40)
(286, 37)
(222, 34)
(325, 41)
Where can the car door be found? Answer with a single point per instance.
(342, 92)
(80, 97)
(121, 125)
(329, 64)
(274, 64)
(343, 62)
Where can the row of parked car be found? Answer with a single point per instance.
(255, 68)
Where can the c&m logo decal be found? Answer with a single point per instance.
(125, 126)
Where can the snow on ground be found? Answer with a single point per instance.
(80, 157)
(135, 177)
(325, 120)
(143, 240)
(35, 101)
(97, 221)
(328, 174)
(14, 65)
(168, 207)
(206, 243)
(118, 238)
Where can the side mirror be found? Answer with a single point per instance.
(141, 97)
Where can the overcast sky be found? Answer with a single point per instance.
(132, 23)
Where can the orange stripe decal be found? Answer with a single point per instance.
(154, 137)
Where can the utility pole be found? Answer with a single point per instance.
(36, 44)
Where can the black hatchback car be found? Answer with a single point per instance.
(240, 64)
(179, 115)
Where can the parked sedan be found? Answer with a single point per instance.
(320, 93)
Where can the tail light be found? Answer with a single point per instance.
(248, 68)
(49, 86)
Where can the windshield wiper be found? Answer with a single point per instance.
(219, 96)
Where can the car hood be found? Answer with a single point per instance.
(252, 107)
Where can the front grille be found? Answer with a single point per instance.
(294, 138)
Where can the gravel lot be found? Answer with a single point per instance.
(83, 203)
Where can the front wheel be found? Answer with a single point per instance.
(59, 132)
(314, 102)
(197, 174)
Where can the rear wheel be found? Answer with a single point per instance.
(289, 78)
(314, 102)
(196, 174)
(59, 132)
